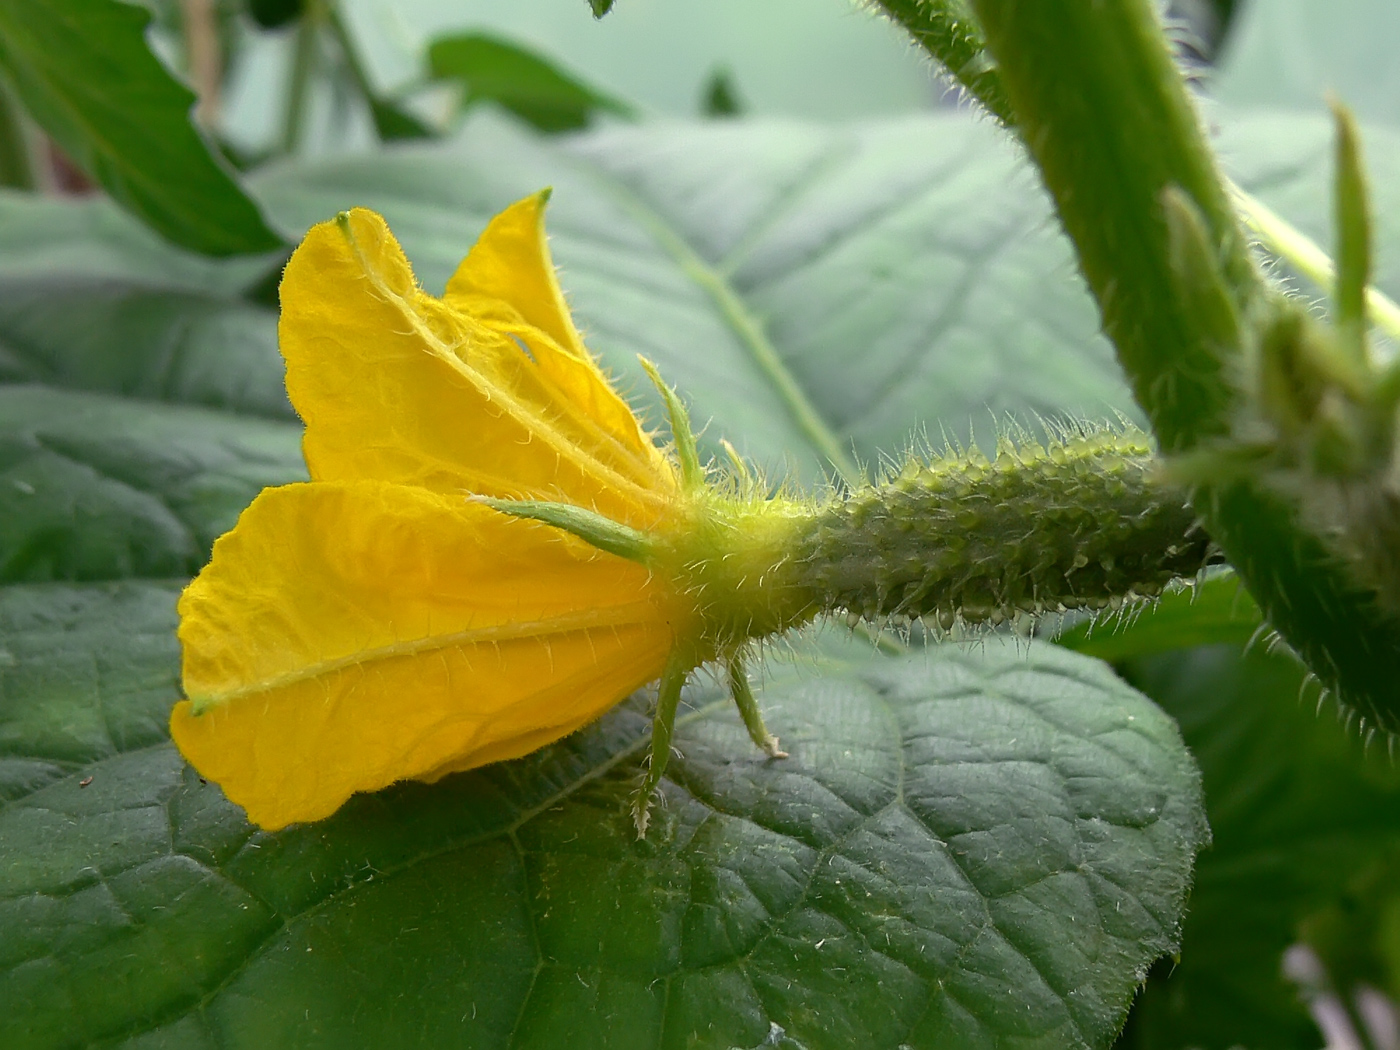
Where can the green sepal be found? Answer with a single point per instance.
(663, 724)
(593, 528)
(692, 472)
(744, 699)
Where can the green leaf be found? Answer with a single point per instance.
(517, 79)
(156, 344)
(96, 487)
(393, 122)
(83, 70)
(1357, 935)
(1299, 807)
(1290, 54)
(952, 832)
(809, 290)
(1217, 610)
(70, 239)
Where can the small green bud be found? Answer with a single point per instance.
(1288, 384)
(1352, 215)
(1197, 274)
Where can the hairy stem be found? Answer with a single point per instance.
(1308, 522)
(299, 83)
(947, 30)
(1104, 112)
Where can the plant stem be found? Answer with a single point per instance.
(299, 85)
(16, 165)
(336, 24)
(203, 58)
(391, 122)
(948, 32)
(1105, 114)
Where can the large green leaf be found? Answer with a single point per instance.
(158, 344)
(1292, 53)
(82, 68)
(891, 275)
(970, 848)
(70, 239)
(967, 849)
(1300, 808)
(95, 487)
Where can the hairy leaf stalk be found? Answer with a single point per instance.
(947, 30)
(1283, 426)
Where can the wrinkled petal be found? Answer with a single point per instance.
(348, 635)
(507, 281)
(396, 385)
(510, 263)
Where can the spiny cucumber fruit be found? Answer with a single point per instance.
(1079, 523)
(1084, 520)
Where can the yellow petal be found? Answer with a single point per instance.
(507, 281)
(510, 262)
(395, 385)
(348, 635)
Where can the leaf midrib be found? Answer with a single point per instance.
(746, 325)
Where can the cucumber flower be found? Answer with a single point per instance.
(491, 551)
(384, 621)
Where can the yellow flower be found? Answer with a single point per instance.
(491, 552)
(382, 622)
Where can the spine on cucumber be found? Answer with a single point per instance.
(1081, 523)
